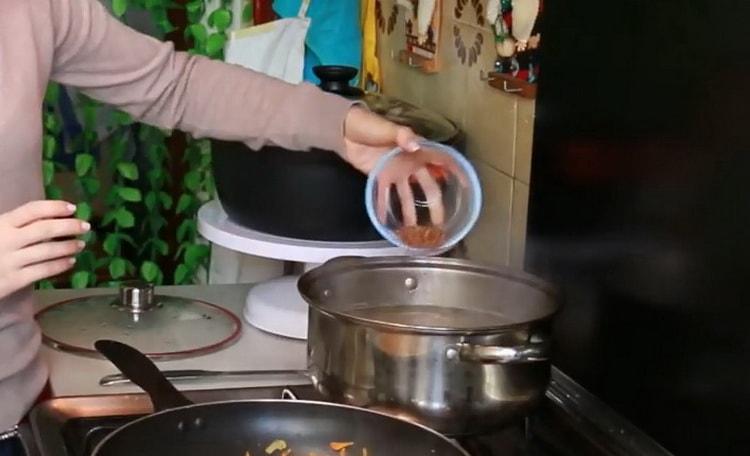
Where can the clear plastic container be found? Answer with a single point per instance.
(424, 201)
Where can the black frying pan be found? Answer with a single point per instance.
(232, 428)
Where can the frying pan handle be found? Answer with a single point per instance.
(143, 372)
(496, 354)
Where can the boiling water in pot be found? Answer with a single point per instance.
(431, 316)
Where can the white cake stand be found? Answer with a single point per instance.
(276, 306)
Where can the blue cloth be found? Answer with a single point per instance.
(334, 37)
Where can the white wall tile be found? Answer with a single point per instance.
(489, 240)
(518, 219)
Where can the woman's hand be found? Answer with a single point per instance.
(31, 247)
(368, 136)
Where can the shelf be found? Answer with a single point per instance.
(509, 84)
(417, 61)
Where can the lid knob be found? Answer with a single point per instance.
(137, 296)
(335, 79)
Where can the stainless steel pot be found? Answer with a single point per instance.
(457, 346)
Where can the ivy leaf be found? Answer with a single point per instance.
(89, 238)
(192, 180)
(90, 185)
(205, 160)
(52, 93)
(161, 246)
(122, 118)
(221, 19)
(50, 122)
(109, 217)
(125, 218)
(184, 202)
(150, 201)
(86, 260)
(197, 31)
(128, 170)
(117, 268)
(155, 175)
(166, 200)
(130, 194)
(49, 145)
(80, 279)
(48, 172)
(195, 254)
(157, 223)
(186, 228)
(181, 249)
(119, 7)
(83, 211)
(111, 244)
(181, 274)
(247, 13)
(195, 11)
(215, 44)
(149, 271)
(45, 285)
(54, 192)
(84, 162)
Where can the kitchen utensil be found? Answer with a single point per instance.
(458, 346)
(237, 427)
(198, 374)
(155, 324)
(312, 195)
(436, 211)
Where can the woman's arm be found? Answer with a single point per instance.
(146, 78)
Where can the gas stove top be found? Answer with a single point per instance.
(569, 422)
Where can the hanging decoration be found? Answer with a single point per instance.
(422, 34)
(515, 24)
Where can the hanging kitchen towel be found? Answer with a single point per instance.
(335, 36)
(275, 48)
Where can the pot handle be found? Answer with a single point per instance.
(344, 259)
(496, 354)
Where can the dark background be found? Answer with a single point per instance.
(639, 210)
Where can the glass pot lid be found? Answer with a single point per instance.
(163, 327)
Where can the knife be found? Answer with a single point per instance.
(197, 374)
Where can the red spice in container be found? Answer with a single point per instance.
(421, 237)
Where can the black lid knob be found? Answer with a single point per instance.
(335, 79)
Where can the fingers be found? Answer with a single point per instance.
(37, 210)
(40, 271)
(407, 140)
(406, 197)
(45, 230)
(383, 201)
(433, 196)
(364, 127)
(47, 251)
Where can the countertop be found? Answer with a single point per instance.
(73, 375)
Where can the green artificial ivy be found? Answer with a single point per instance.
(208, 40)
(130, 234)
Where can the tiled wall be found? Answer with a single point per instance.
(498, 126)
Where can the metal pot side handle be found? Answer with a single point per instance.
(494, 354)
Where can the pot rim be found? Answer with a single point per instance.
(345, 263)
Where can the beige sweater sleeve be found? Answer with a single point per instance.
(146, 78)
